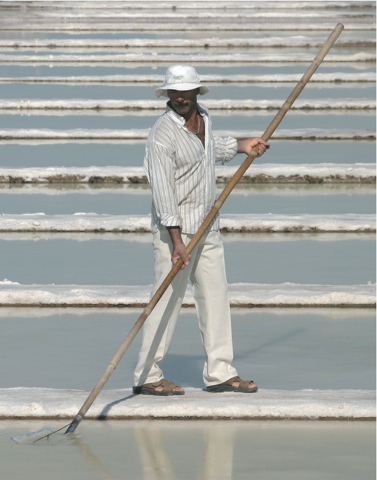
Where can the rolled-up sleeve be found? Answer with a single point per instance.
(160, 170)
(225, 148)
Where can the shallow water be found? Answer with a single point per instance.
(126, 91)
(166, 450)
(284, 349)
(85, 154)
(293, 199)
(252, 259)
(253, 122)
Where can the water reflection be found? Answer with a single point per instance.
(217, 461)
(218, 458)
(194, 450)
(156, 463)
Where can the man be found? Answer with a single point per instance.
(180, 157)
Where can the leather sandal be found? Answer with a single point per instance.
(227, 386)
(151, 389)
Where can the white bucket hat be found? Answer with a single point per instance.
(182, 78)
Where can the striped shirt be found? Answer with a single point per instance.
(181, 171)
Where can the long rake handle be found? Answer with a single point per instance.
(207, 221)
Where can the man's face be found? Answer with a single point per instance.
(183, 102)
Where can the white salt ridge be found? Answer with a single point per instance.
(206, 16)
(240, 295)
(182, 20)
(323, 172)
(325, 26)
(143, 239)
(263, 223)
(225, 104)
(259, 173)
(39, 403)
(293, 187)
(298, 223)
(227, 15)
(142, 134)
(196, 58)
(211, 5)
(337, 77)
(268, 42)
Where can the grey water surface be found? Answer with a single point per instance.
(171, 450)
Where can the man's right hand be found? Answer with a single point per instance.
(179, 248)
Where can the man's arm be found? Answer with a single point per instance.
(245, 145)
(179, 248)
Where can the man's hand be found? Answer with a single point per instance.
(246, 145)
(179, 248)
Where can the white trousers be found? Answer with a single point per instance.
(206, 272)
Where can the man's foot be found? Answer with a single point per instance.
(234, 384)
(162, 388)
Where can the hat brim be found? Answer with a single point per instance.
(181, 87)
